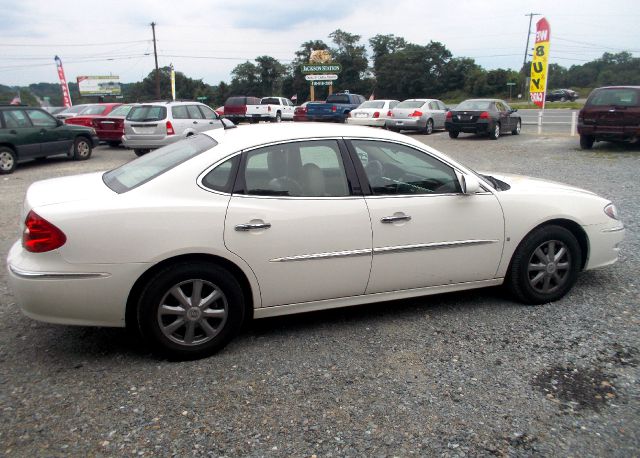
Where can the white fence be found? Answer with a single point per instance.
(552, 118)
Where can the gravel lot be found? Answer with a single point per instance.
(463, 374)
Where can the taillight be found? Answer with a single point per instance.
(484, 115)
(449, 115)
(40, 235)
(269, 108)
(376, 114)
(416, 114)
(170, 130)
(389, 114)
(334, 108)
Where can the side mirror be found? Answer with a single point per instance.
(227, 124)
(59, 122)
(469, 184)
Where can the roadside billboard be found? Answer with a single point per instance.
(99, 85)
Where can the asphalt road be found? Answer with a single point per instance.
(463, 374)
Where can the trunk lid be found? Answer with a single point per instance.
(66, 189)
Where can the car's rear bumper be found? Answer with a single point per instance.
(110, 135)
(478, 127)
(139, 142)
(55, 291)
(406, 124)
(601, 132)
(373, 122)
(604, 243)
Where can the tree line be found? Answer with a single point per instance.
(394, 68)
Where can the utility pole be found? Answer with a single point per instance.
(155, 54)
(526, 51)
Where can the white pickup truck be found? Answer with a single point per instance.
(274, 109)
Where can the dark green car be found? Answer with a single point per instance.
(32, 133)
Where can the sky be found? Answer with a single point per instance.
(206, 39)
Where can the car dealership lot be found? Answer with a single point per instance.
(467, 373)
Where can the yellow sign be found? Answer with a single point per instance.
(540, 63)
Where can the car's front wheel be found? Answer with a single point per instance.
(8, 160)
(191, 310)
(495, 133)
(545, 265)
(82, 148)
(586, 141)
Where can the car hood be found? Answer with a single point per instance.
(525, 184)
(66, 189)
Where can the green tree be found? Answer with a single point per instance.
(353, 57)
(271, 74)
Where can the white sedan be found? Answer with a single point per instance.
(191, 240)
(372, 113)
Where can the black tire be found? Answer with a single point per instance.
(586, 141)
(518, 128)
(278, 117)
(82, 148)
(535, 279)
(495, 133)
(140, 152)
(8, 160)
(393, 129)
(453, 134)
(428, 128)
(114, 144)
(168, 332)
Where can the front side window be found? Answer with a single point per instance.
(207, 112)
(300, 169)
(41, 119)
(194, 113)
(394, 169)
(151, 165)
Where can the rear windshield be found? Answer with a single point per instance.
(372, 105)
(620, 97)
(237, 101)
(122, 110)
(74, 109)
(472, 105)
(147, 113)
(151, 165)
(338, 98)
(270, 101)
(410, 104)
(94, 110)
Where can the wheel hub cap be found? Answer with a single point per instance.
(194, 314)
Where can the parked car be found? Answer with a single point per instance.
(424, 115)
(72, 111)
(153, 125)
(372, 113)
(300, 113)
(562, 95)
(235, 108)
(220, 111)
(188, 242)
(91, 112)
(277, 109)
(336, 108)
(611, 114)
(483, 117)
(110, 128)
(32, 133)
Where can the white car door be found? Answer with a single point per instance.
(294, 220)
(211, 119)
(425, 231)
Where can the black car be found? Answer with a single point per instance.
(561, 95)
(483, 117)
(32, 133)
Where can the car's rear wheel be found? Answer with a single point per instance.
(82, 148)
(191, 310)
(518, 128)
(428, 129)
(453, 134)
(495, 133)
(140, 152)
(278, 117)
(113, 144)
(586, 141)
(8, 160)
(545, 265)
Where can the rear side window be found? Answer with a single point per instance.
(221, 178)
(236, 101)
(179, 112)
(147, 113)
(624, 97)
(151, 165)
(15, 119)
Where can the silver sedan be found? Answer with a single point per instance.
(418, 114)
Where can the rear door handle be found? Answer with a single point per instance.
(395, 218)
(252, 226)
(195, 122)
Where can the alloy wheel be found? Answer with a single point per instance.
(549, 266)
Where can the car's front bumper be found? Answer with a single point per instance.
(604, 243)
(49, 289)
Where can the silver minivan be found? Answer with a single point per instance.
(153, 125)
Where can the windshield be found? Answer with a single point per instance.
(410, 104)
(122, 110)
(372, 105)
(147, 113)
(472, 105)
(151, 165)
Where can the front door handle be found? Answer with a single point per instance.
(195, 122)
(252, 226)
(395, 218)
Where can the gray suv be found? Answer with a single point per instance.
(153, 125)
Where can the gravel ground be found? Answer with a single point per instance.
(464, 374)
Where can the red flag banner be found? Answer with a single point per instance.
(66, 97)
(540, 63)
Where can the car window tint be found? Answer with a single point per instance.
(441, 105)
(147, 113)
(474, 105)
(41, 119)
(621, 97)
(94, 110)
(151, 165)
(207, 112)
(122, 110)
(270, 101)
(221, 178)
(301, 169)
(372, 104)
(410, 104)
(433, 106)
(16, 119)
(338, 98)
(179, 112)
(194, 113)
(399, 169)
(393, 104)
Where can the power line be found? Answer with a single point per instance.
(50, 45)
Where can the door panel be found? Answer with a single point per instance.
(22, 134)
(54, 139)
